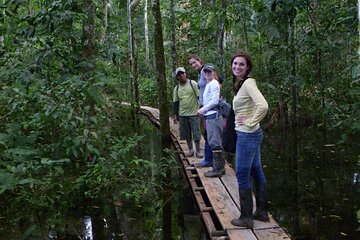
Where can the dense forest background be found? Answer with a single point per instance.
(66, 65)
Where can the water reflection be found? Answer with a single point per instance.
(88, 232)
(356, 179)
(318, 198)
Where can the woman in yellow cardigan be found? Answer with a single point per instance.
(250, 107)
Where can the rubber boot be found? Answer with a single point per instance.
(261, 212)
(218, 165)
(198, 153)
(190, 147)
(246, 218)
(207, 162)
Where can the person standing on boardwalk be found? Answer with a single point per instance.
(213, 119)
(197, 64)
(185, 101)
(250, 107)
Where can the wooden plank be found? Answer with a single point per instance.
(209, 224)
(220, 199)
(241, 234)
(220, 238)
(225, 209)
(222, 193)
(272, 234)
(193, 183)
(201, 203)
(230, 183)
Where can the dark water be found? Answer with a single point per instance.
(110, 219)
(314, 197)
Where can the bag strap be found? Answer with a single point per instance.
(192, 87)
(177, 89)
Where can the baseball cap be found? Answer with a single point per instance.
(209, 66)
(180, 69)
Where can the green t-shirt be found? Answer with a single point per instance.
(187, 97)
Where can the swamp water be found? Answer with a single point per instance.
(109, 219)
(315, 197)
(318, 195)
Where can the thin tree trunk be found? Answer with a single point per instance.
(31, 10)
(105, 20)
(318, 63)
(244, 28)
(222, 34)
(294, 125)
(133, 64)
(146, 30)
(88, 42)
(2, 38)
(160, 75)
(173, 40)
(164, 114)
(263, 68)
(293, 85)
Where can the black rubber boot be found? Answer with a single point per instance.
(246, 203)
(218, 165)
(261, 212)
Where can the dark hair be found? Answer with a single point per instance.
(236, 83)
(196, 57)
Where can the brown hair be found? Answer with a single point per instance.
(236, 83)
(196, 57)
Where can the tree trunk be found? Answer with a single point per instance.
(88, 41)
(173, 40)
(164, 114)
(294, 125)
(244, 28)
(105, 20)
(3, 16)
(146, 30)
(160, 76)
(135, 103)
(318, 63)
(221, 35)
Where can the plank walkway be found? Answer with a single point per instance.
(217, 198)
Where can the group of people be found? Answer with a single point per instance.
(193, 99)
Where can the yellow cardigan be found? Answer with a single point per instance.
(250, 103)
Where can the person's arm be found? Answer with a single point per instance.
(214, 97)
(202, 79)
(176, 105)
(260, 103)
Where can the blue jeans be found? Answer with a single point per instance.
(248, 161)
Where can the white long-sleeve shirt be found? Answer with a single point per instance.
(211, 97)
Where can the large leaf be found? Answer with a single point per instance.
(95, 95)
(22, 151)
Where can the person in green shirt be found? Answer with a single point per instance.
(185, 101)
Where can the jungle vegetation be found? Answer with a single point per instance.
(66, 65)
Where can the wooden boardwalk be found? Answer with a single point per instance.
(217, 198)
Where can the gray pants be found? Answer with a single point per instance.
(189, 128)
(214, 129)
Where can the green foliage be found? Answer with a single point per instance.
(61, 137)
(148, 91)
